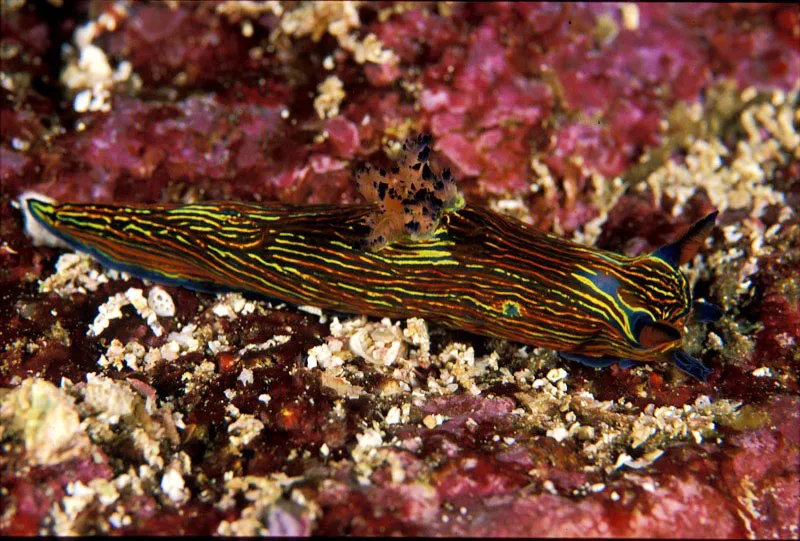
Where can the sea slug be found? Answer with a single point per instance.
(413, 249)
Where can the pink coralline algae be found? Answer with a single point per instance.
(617, 125)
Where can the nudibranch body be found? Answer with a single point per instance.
(415, 250)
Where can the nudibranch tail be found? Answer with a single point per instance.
(40, 233)
(413, 249)
(75, 226)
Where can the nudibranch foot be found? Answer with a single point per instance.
(682, 360)
(690, 365)
(599, 362)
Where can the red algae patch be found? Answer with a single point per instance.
(130, 407)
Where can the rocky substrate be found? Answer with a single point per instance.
(128, 407)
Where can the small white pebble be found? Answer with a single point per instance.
(556, 374)
(170, 351)
(246, 376)
(622, 460)
(393, 416)
(748, 93)
(173, 485)
(702, 402)
(630, 16)
(247, 29)
(559, 433)
(315, 310)
(160, 302)
(82, 101)
(20, 144)
(763, 372)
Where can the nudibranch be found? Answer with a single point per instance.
(413, 249)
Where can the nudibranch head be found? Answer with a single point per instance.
(647, 301)
(662, 293)
(672, 301)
